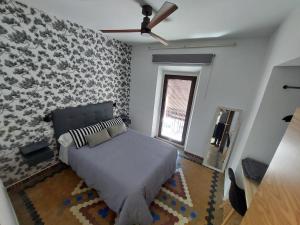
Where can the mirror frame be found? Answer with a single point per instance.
(233, 140)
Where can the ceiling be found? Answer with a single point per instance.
(292, 62)
(194, 19)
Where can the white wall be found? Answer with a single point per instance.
(284, 46)
(231, 81)
(276, 103)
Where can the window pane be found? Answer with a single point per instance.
(176, 103)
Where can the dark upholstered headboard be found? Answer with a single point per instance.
(80, 116)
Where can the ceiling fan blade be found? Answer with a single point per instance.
(160, 39)
(166, 10)
(121, 31)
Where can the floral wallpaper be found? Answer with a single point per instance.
(47, 63)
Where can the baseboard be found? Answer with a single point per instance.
(36, 176)
(192, 157)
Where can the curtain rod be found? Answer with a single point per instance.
(233, 44)
(290, 87)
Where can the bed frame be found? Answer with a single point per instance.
(80, 116)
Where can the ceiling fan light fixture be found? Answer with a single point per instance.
(146, 34)
(146, 26)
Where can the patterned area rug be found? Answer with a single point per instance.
(189, 197)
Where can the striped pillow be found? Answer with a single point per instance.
(112, 122)
(78, 135)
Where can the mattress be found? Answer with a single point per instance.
(127, 171)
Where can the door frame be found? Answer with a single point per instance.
(193, 80)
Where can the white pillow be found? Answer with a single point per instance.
(66, 140)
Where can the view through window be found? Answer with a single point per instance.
(177, 98)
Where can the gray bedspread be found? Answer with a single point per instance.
(127, 171)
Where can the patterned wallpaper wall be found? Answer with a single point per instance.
(47, 63)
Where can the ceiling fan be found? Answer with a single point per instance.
(166, 9)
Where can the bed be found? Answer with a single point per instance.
(127, 171)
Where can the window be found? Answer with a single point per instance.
(177, 98)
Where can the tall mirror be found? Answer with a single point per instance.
(221, 142)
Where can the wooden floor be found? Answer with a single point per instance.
(71, 200)
(235, 219)
(277, 200)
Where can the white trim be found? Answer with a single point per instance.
(188, 199)
(76, 211)
(217, 45)
(79, 190)
(182, 220)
